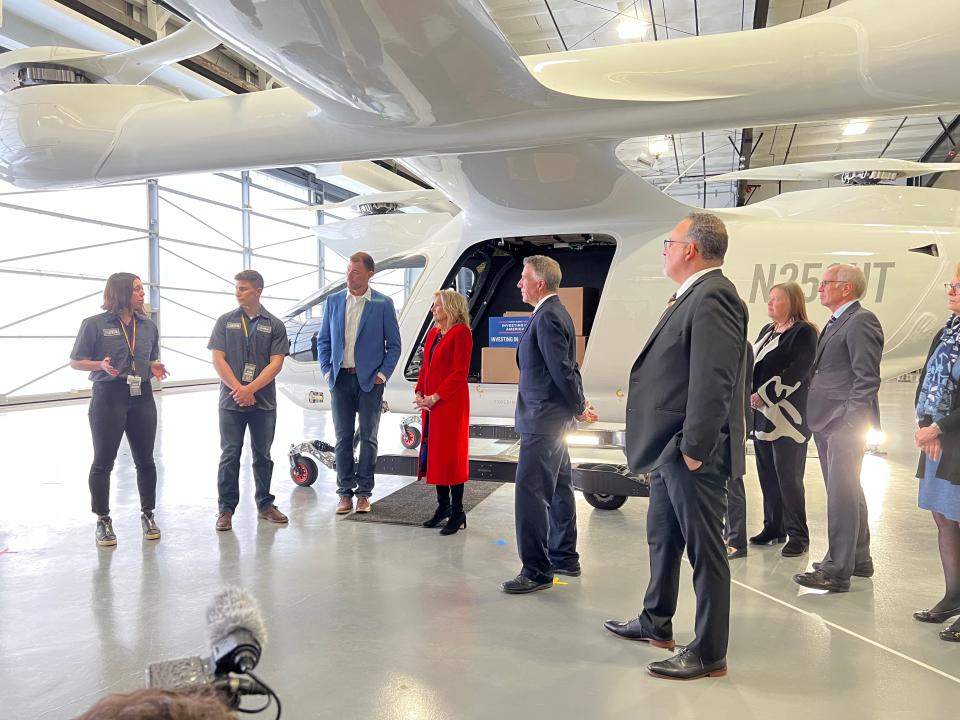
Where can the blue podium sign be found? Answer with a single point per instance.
(505, 332)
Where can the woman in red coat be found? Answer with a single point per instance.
(444, 397)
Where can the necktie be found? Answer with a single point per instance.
(670, 301)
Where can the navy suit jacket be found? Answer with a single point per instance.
(551, 390)
(378, 339)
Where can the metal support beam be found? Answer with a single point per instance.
(245, 218)
(761, 9)
(153, 243)
(943, 149)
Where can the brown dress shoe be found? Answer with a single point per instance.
(224, 520)
(274, 515)
(363, 504)
(345, 505)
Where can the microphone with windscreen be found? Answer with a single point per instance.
(237, 635)
(236, 631)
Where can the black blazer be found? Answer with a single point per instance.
(781, 375)
(949, 468)
(550, 393)
(687, 385)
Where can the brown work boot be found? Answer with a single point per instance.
(345, 505)
(224, 521)
(363, 504)
(273, 514)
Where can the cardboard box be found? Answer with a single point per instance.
(518, 313)
(505, 332)
(581, 303)
(499, 365)
(581, 348)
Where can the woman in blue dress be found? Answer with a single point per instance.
(938, 438)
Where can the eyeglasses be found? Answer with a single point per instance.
(948, 286)
(675, 242)
(827, 282)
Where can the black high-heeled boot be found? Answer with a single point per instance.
(442, 513)
(457, 521)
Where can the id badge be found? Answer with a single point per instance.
(249, 370)
(133, 382)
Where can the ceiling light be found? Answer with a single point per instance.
(632, 29)
(855, 128)
(659, 146)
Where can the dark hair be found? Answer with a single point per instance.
(709, 234)
(250, 276)
(156, 704)
(365, 259)
(118, 292)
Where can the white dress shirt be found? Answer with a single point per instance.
(542, 300)
(351, 323)
(692, 279)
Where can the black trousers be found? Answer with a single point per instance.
(735, 521)
(545, 508)
(780, 467)
(686, 510)
(112, 414)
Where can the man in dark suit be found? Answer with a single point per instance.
(685, 426)
(841, 408)
(358, 349)
(550, 397)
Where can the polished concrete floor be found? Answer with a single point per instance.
(384, 621)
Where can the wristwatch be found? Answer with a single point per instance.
(937, 427)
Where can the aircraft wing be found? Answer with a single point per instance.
(372, 79)
(830, 169)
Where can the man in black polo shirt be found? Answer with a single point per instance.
(248, 346)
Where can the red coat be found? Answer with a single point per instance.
(448, 444)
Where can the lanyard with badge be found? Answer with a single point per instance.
(249, 368)
(133, 380)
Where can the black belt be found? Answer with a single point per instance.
(349, 371)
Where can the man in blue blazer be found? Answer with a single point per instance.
(358, 348)
(550, 397)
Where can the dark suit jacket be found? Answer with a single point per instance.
(551, 391)
(846, 372)
(688, 383)
(949, 467)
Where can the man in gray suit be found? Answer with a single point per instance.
(685, 426)
(841, 408)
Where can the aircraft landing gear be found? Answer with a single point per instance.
(304, 458)
(410, 432)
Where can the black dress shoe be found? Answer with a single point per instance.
(570, 570)
(952, 633)
(929, 616)
(794, 548)
(687, 665)
(735, 553)
(767, 537)
(523, 584)
(819, 580)
(864, 569)
(442, 513)
(633, 630)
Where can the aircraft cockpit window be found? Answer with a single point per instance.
(931, 249)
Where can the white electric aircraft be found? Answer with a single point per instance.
(525, 148)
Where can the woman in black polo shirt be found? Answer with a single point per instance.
(121, 349)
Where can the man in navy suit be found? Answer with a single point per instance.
(550, 397)
(358, 348)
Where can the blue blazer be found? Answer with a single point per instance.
(378, 339)
(550, 391)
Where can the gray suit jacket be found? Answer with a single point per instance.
(846, 373)
(688, 383)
